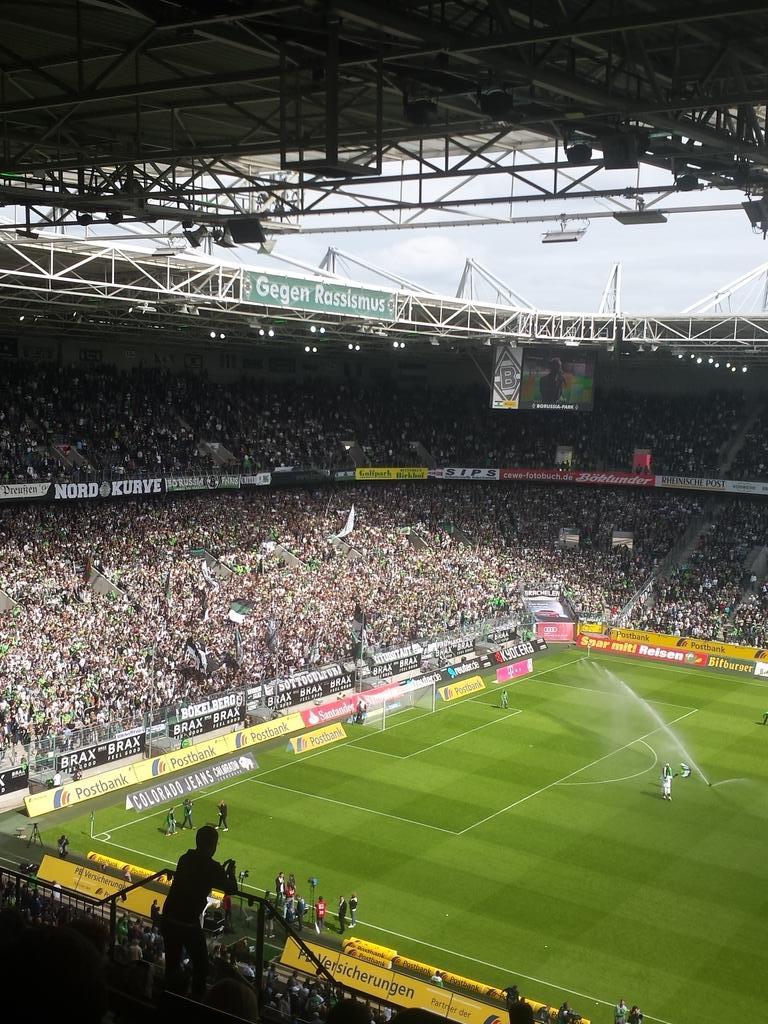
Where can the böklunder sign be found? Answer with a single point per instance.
(320, 296)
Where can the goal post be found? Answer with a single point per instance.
(412, 699)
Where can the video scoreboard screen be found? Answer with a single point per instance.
(543, 378)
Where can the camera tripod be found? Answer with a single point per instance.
(34, 836)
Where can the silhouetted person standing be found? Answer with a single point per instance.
(342, 914)
(222, 823)
(551, 384)
(196, 874)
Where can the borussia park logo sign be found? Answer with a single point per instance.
(319, 296)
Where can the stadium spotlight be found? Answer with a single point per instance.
(395, 344)
(578, 153)
(213, 334)
(306, 348)
(21, 317)
(357, 348)
(710, 360)
(698, 359)
(222, 336)
(717, 366)
(733, 369)
(314, 329)
(350, 346)
(743, 369)
(495, 102)
(270, 333)
(565, 234)
(757, 212)
(244, 229)
(314, 348)
(419, 109)
(195, 236)
(223, 237)
(679, 355)
(686, 182)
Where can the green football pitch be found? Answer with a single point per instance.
(530, 844)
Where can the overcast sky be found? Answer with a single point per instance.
(665, 267)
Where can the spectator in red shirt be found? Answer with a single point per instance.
(320, 908)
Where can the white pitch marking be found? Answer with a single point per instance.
(506, 969)
(570, 775)
(624, 778)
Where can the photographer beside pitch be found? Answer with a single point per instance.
(181, 924)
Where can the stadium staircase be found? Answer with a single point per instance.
(220, 456)
(733, 445)
(68, 456)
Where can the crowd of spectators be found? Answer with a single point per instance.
(153, 422)
(702, 596)
(431, 558)
(751, 460)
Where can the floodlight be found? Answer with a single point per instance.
(195, 236)
(495, 102)
(640, 216)
(563, 235)
(578, 153)
(420, 111)
(245, 229)
(223, 237)
(757, 212)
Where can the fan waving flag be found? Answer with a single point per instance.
(685, 770)
(358, 631)
(349, 525)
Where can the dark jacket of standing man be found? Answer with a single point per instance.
(222, 823)
(196, 874)
(342, 914)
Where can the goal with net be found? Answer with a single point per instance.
(411, 699)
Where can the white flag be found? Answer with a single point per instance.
(349, 525)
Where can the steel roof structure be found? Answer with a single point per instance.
(91, 289)
(140, 110)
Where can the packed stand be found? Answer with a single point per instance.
(700, 597)
(433, 557)
(751, 460)
(152, 422)
(750, 620)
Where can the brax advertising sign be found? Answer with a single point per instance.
(100, 754)
(209, 715)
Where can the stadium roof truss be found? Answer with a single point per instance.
(47, 284)
(180, 110)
